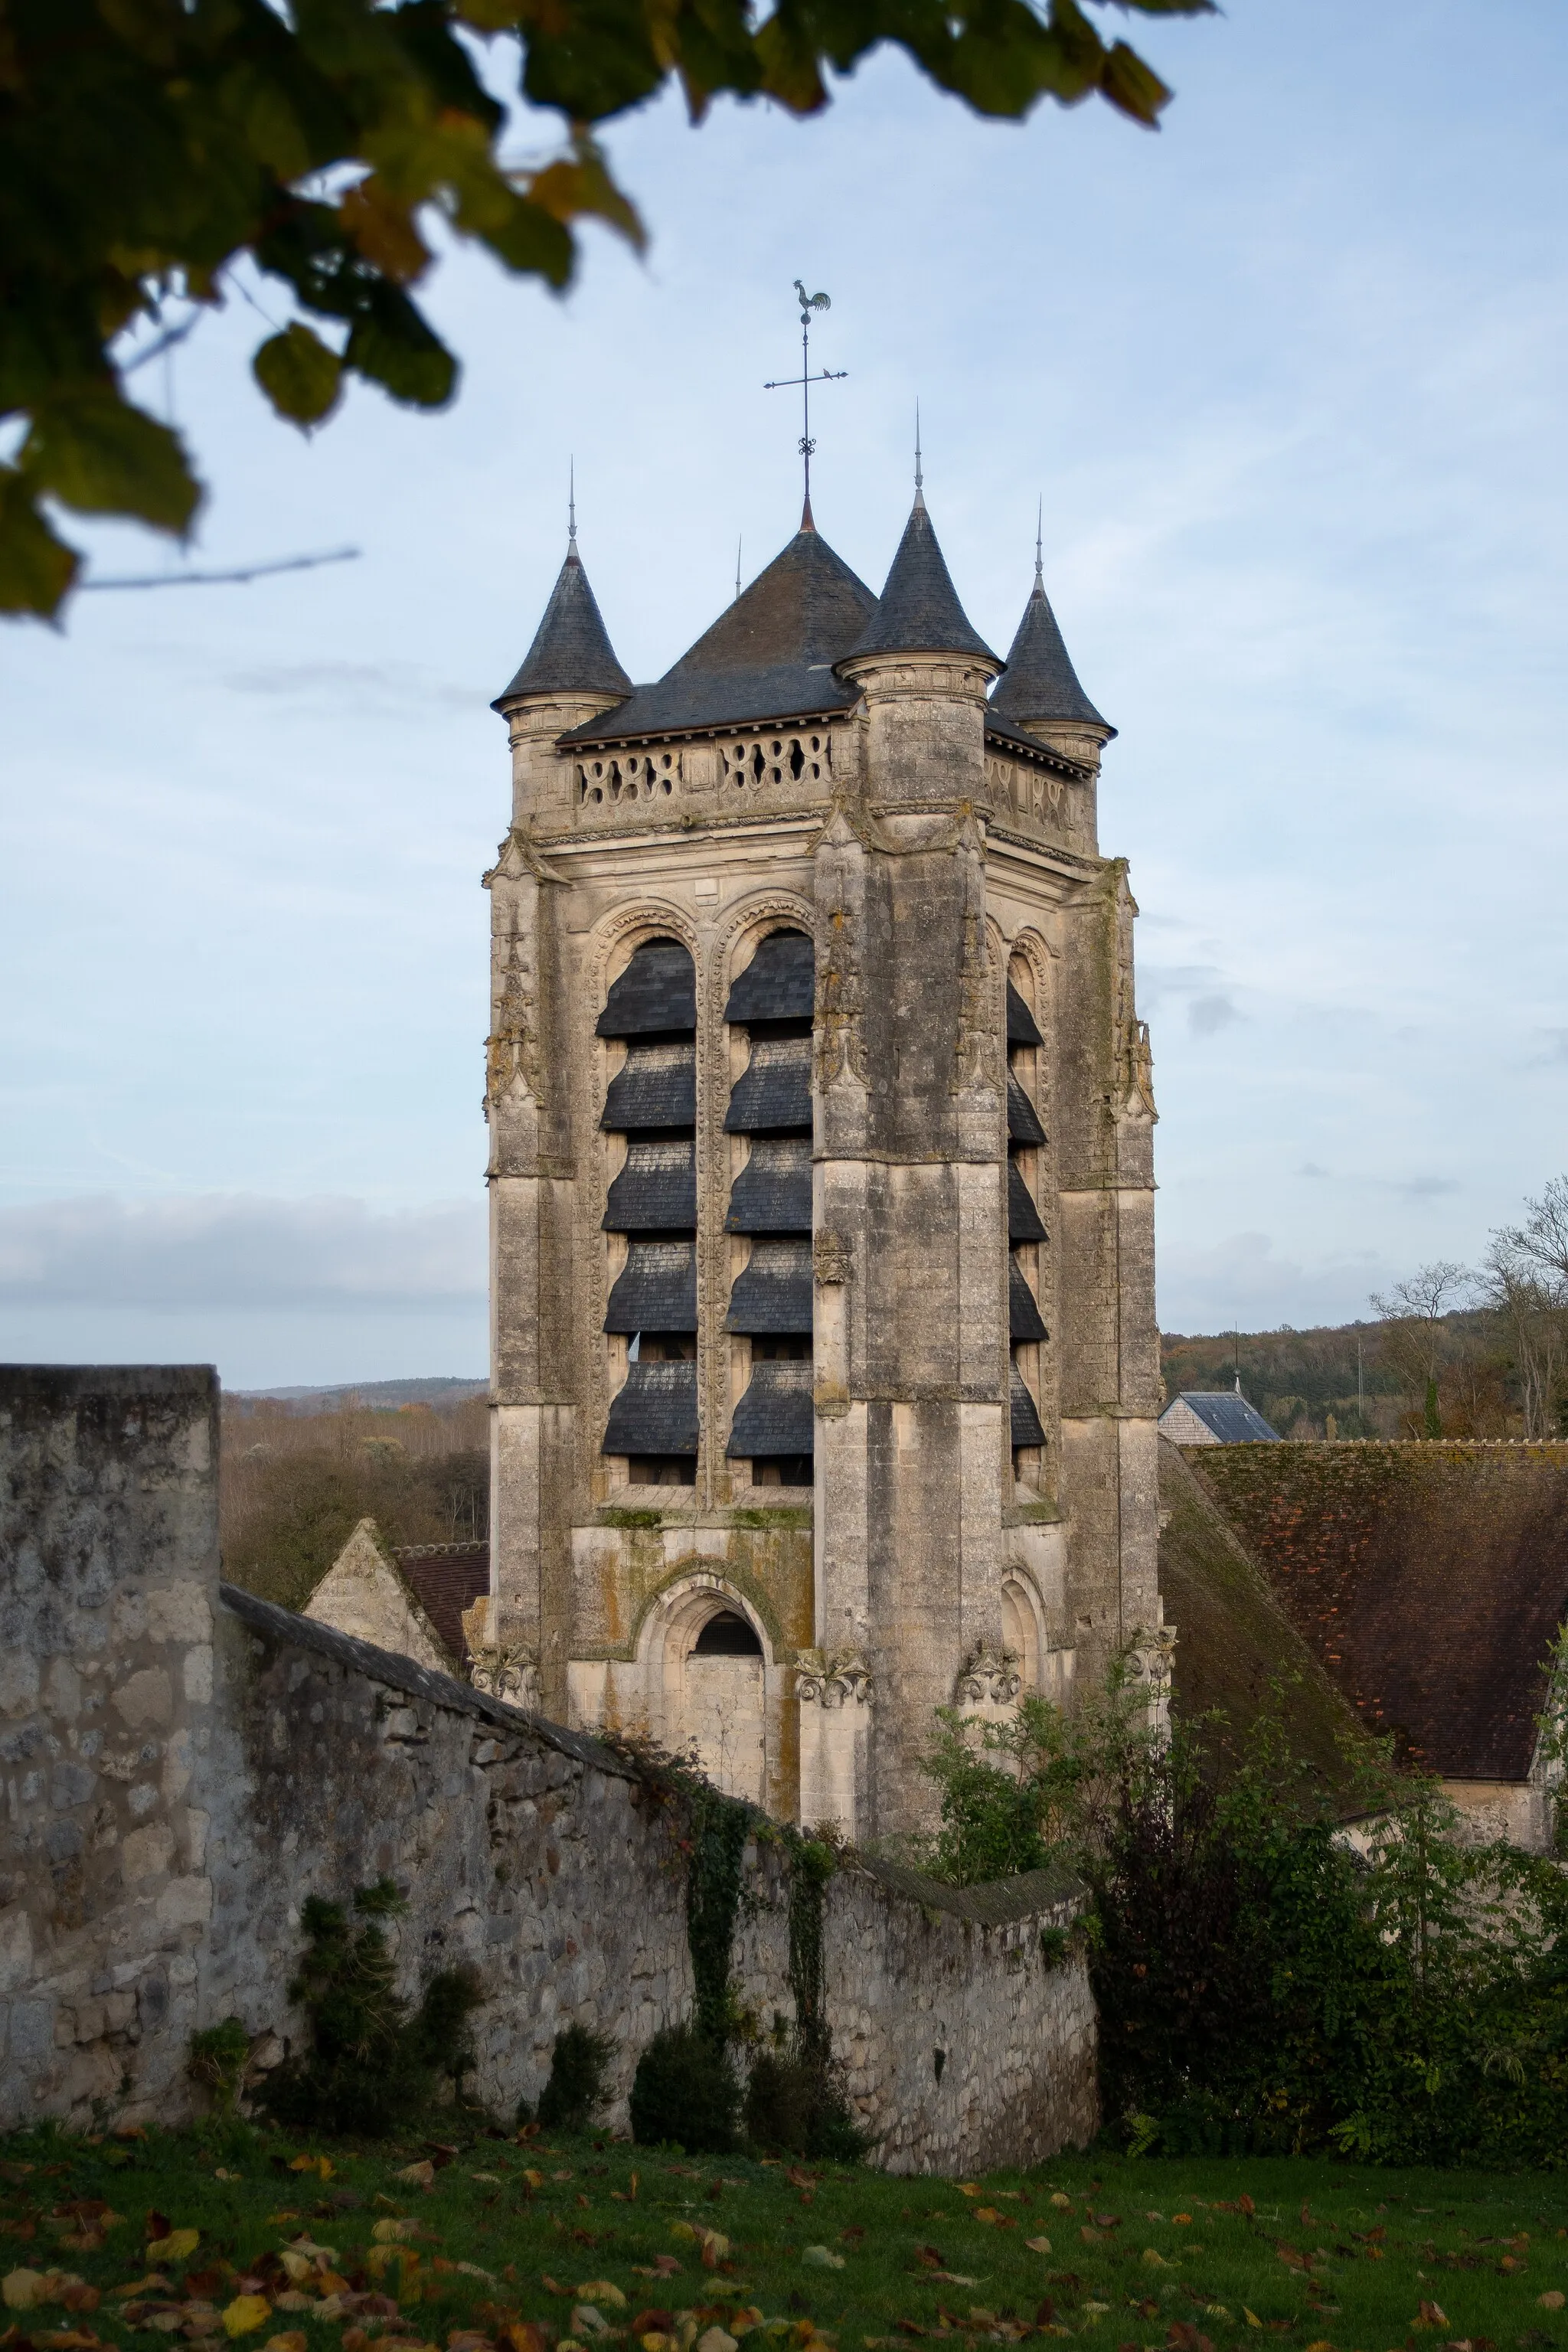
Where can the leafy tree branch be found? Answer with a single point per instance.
(148, 147)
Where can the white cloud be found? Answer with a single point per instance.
(240, 1252)
(1240, 1283)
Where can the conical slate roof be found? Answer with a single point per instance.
(1040, 680)
(770, 656)
(571, 653)
(919, 611)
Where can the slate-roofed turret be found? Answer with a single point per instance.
(1040, 683)
(571, 653)
(919, 611)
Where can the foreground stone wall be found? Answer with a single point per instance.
(154, 1870)
(108, 1571)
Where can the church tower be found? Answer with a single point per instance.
(825, 1369)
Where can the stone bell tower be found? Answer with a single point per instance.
(825, 1369)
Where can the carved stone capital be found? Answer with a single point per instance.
(509, 1672)
(991, 1678)
(832, 1257)
(832, 1678)
(1150, 1656)
(511, 1675)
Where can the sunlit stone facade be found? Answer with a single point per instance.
(825, 1369)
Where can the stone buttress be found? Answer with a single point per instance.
(824, 1356)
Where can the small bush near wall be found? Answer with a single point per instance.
(371, 2065)
(577, 2087)
(1263, 1986)
(686, 2091)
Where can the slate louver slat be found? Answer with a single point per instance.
(656, 993)
(1021, 1027)
(773, 1092)
(1023, 1120)
(772, 1194)
(779, 983)
(655, 1087)
(655, 1192)
(772, 1292)
(1024, 1320)
(1024, 1220)
(655, 1412)
(656, 1290)
(1025, 1420)
(774, 1416)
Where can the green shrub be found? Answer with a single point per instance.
(575, 2091)
(1262, 1987)
(795, 2106)
(371, 2064)
(219, 2055)
(685, 2090)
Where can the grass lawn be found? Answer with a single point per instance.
(522, 2245)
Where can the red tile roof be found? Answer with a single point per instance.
(448, 1579)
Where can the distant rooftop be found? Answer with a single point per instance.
(1214, 1417)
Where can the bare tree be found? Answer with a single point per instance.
(1543, 1239)
(1526, 1279)
(1414, 1311)
(1534, 1307)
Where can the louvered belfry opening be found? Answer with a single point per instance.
(1026, 1237)
(770, 1207)
(651, 1214)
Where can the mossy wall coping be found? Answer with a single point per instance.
(1031, 1894)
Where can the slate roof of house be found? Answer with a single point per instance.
(1430, 1579)
(1232, 1420)
(918, 611)
(770, 656)
(570, 652)
(447, 1579)
(1040, 681)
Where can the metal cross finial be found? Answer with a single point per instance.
(738, 544)
(571, 502)
(920, 478)
(1039, 542)
(809, 303)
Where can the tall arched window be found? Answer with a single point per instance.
(651, 1214)
(1025, 1235)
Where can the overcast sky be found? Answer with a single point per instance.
(1289, 376)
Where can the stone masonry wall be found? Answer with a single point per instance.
(108, 1577)
(271, 1757)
